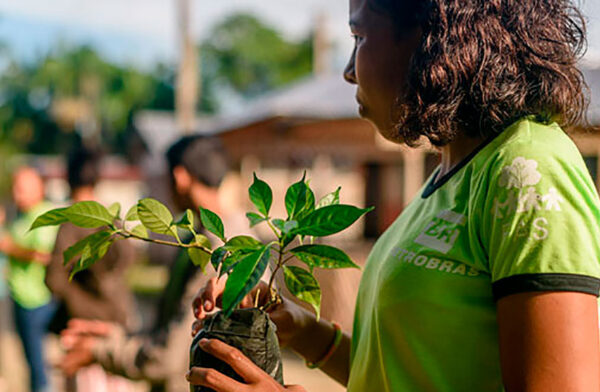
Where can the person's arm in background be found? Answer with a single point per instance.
(549, 342)
(11, 249)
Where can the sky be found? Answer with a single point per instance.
(142, 32)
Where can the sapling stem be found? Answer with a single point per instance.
(129, 234)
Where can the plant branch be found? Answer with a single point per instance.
(129, 234)
(272, 228)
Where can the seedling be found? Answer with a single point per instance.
(244, 258)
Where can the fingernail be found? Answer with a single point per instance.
(203, 342)
(207, 304)
(187, 375)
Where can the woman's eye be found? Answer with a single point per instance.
(356, 38)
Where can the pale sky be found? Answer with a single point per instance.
(144, 30)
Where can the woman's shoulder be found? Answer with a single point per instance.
(528, 141)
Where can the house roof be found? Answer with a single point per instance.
(314, 98)
(320, 97)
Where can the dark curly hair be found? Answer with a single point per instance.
(483, 64)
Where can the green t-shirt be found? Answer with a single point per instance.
(519, 214)
(26, 279)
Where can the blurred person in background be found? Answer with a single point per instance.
(4, 305)
(99, 292)
(29, 254)
(197, 166)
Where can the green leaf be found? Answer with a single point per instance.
(279, 223)
(303, 285)
(329, 220)
(92, 252)
(254, 218)
(323, 256)
(199, 258)
(212, 223)
(244, 277)
(140, 231)
(156, 217)
(243, 242)
(330, 199)
(115, 210)
(289, 226)
(299, 200)
(77, 248)
(231, 261)
(217, 257)
(132, 214)
(51, 218)
(261, 196)
(187, 220)
(203, 240)
(295, 198)
(88, 214)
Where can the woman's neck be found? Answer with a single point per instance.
(457, 150)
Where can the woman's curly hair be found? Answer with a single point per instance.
(483, 64)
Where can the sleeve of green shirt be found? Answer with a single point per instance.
(540, 221)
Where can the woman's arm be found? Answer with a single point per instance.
(313, 342)
(549, 342)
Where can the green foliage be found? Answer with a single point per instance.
(115, 210)
(156, 217)
(329, 220)
(199, 258)
(303, 285)
(261, 196)
(132, 214)
(92, 241)
(323, 256)
(88, 214)
(244, 277)
(330, 199)
(255, 218)
(93, 251)
(50, 218)
(299, 200)
(243, 258)
(250, 57)
(212, 223)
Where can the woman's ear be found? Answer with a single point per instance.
(183, 179)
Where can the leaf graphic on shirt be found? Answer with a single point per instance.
(521, 173)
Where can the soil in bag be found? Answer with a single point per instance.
(249, 330)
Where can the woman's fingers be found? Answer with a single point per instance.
(213, 379)
(196, 327)
(234, 357)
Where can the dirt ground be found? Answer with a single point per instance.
(13, 371)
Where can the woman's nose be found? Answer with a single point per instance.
(349, 71)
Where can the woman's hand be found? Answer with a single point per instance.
(256, 379)
(291, 320)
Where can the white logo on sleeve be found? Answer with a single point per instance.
(522, 180)
(552, 200)
(521, 173)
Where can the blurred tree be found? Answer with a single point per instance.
(50, 103)
(251, 58)
(74, 93)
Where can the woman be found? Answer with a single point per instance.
(489, 279)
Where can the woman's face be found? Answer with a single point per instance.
(379, 64)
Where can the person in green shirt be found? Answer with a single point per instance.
(29, 253)
(488, 281)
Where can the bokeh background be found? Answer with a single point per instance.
(132, 76)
